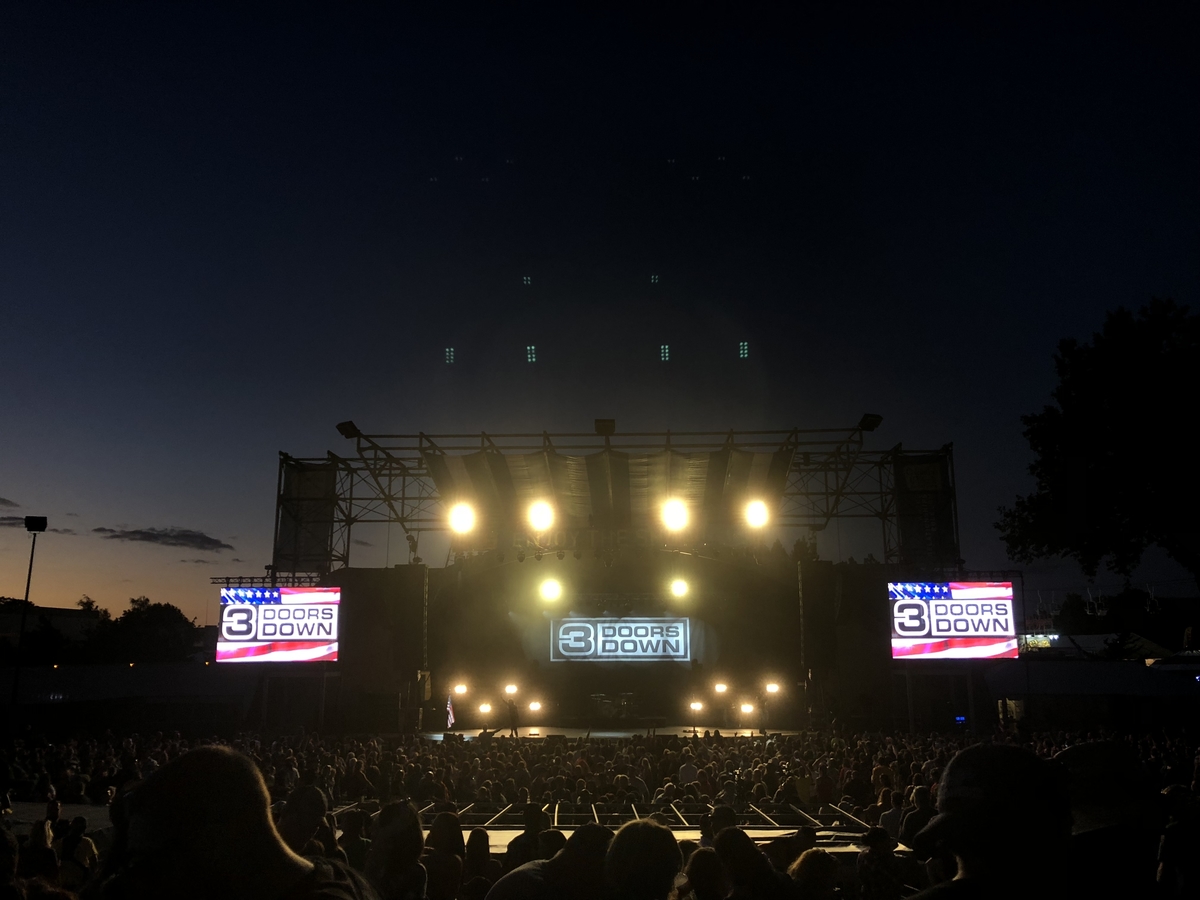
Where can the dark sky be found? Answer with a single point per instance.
(224, 231)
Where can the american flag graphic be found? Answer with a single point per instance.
(450, 711)
(953, 620)
(258, 625)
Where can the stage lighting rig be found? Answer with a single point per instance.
(462, 518)
(541, 516)
(757, 514)
(675, 515)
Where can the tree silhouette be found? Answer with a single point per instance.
(1112, 457)
(146, 632)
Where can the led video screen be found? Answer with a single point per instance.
(620, 640)
(953, 620)
(279, 624)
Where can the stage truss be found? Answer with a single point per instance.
(386, 480)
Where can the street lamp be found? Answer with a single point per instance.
(35, 525)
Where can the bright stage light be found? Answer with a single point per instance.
(460, 689)
(675, 515)
(485, 708)
(462, 518)
(772, 688)
(541, 516)
(757, 514)
(747, 707)
(535, 706)
(697, 706)
(720, 687)
(679, 587)
(510, 689)
(550, 590)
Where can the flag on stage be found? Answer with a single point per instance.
(450, 711)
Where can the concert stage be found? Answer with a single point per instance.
(544, 732)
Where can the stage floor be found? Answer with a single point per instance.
(610, 731)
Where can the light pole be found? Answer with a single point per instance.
(35, 525)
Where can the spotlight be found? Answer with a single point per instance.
(460, 689)
(720, 687)
(538, 556)
(772, 688)
(348, 429)
(675, 515)
(550, 590)
(578, 554)
(510, 689)
(756, 514)
(679, 587)
(747, 708)
(541, 516)
(697, 706)
(561, 554)
(462, 518)
(520, 556)
(485, 708)
(535, 706)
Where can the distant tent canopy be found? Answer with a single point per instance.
(609, 490)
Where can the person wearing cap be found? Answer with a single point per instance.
(1005, 816)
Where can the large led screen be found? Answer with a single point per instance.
(279, 624)
(620, 640)
(953, 620)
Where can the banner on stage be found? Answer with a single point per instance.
(621, 640)
(953, 620)
(279, 624)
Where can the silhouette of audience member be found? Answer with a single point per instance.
(38, 859)
(443, 857)
(749, 873)
(523, 848)
(643, 860)
(9, 860)
(353, 843)
(576, 871)
(77, 856)
(706, 875)
(550, 842)
(201, 827)
(878, 871)
(1178, 860)
(890, 819)
(478, 862)
(918, 817)
(722, 817)
(1005, 816)
(815, 875)
(394, 860)
(303, 815)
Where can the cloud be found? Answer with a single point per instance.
(76, 515)
(5, 503)
(235, 559)
(166, 537)
(12, 521)
(359, 543)
(62, 530)
(199, 562)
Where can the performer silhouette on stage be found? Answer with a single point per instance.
(512, 718)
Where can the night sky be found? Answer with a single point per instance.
(222, 232)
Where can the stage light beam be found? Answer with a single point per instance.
(757, 514)
(462, 518)
(679, 588)
(675, 515)
(510, 689)
(720, 687)
(460, 689)
(550, 590)
(541, 516)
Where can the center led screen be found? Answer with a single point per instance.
(279, 624)
(621, 640)
(953, 620)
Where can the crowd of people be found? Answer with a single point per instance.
(312, 815)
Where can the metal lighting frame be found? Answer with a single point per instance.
(386, 480)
